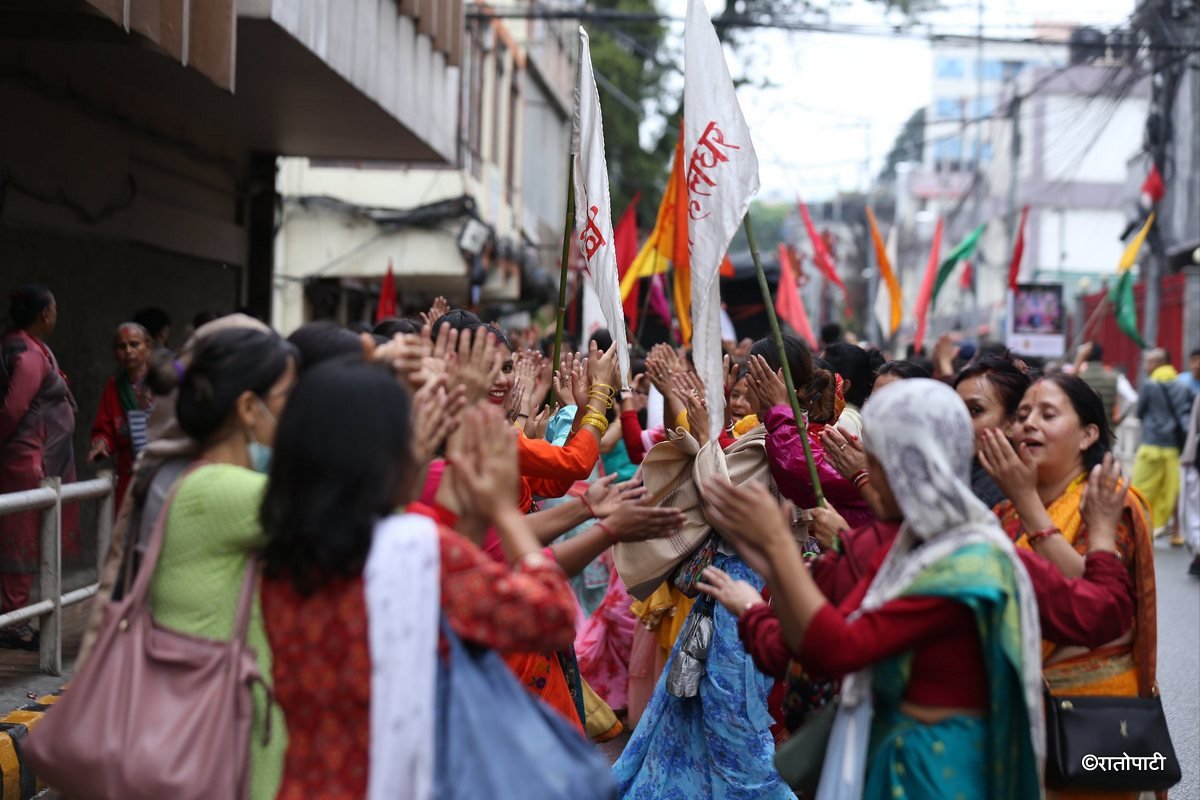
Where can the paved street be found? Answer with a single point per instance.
(1179, 661)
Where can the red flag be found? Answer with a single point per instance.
(625, 241)
(1014, 266)
(820, 252)
(387, 296)
(788, 304)
(1153, 186)
(968, 276)
(931, 270)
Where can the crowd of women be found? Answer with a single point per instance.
(909, 569)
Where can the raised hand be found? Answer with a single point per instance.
(766, 384)
(434, 415)
(436, 311)
(826, 525)
(633, 521)
(1104, 503)
(603, 368)
(845, 451)
(483, 455)
(1014, 471)
(478, 363)
(738, 597)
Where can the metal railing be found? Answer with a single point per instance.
(49, 499)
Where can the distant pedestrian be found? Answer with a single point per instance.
(120, 428)
(37, 421)
(1189, 492)
(1115, 390)
(1191, 378)
(1163, 405)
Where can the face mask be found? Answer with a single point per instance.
(258, 453)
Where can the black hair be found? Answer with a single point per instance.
(458, 319)
(222, 368)
(602, 338)
(501, 338)
(831, 332)
(201, 318)
(1195, 353)
(905, 370)
(1097, 353)
(153, 319)
(853, 364)
(989, 348)
(1090, 410)
(322, 340)
(342, 458)
(1009, 380)
(392, 325)
(816, 384)
(27, 303)
(876, 359)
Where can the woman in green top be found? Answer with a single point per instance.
(229, 399)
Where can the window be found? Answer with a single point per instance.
(983, 106)
(514, 118)
(472, 98)
(1012, 69)
(949, 67)
(992, 70)
(947, 108)
(985, 152)
(948, 149)
(499, 95)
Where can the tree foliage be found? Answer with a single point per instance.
(909, 145)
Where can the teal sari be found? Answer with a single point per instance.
(960, 757)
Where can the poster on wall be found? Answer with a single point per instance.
(1037, 320)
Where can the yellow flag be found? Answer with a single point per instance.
(658, 252)
(885, 271)
(1129, 258)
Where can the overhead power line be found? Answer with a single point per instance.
(610, 16)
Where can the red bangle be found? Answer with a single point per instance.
(861, 477)
(1036, 536)
(583, 499)
(612, 537)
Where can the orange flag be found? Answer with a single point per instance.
(886, 272)
(788, 304)
(387, 296)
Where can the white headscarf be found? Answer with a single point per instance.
(402, 587)
(919, 431)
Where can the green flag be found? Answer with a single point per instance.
(1124, 307)
(964, 250)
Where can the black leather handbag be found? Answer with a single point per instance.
(1109, 744)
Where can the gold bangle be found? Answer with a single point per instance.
(597, 421)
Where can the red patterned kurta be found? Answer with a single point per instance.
(323, 664)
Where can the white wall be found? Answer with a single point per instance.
(1079, 240)
(1090, 140)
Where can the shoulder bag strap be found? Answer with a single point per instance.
(1170, 407)
(241, 622)
(145, 572)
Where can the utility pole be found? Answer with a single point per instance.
(1014, 153)
(977, 211)
(1164, 85)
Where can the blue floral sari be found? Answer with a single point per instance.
(715, 745)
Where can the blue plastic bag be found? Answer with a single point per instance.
(496, 741)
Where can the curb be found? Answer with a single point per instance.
(17, 781)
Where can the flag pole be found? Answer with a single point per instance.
(769, 302)
(568, 229)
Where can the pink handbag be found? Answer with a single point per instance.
(153, 713)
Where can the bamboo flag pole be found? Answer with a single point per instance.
(568, 230)
(801, 418)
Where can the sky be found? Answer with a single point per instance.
(838, 101)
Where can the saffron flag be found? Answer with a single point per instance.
(931, 269)
(722, 176)
(964, 250)
(821, 257)
(886, 273)
(625, 239)
(593, 215)
(387, 296)
(1121, 294)
(658, 252)
(788, 303)
(1014, 266)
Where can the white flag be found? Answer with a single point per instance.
(593, 214)
(722, 175)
